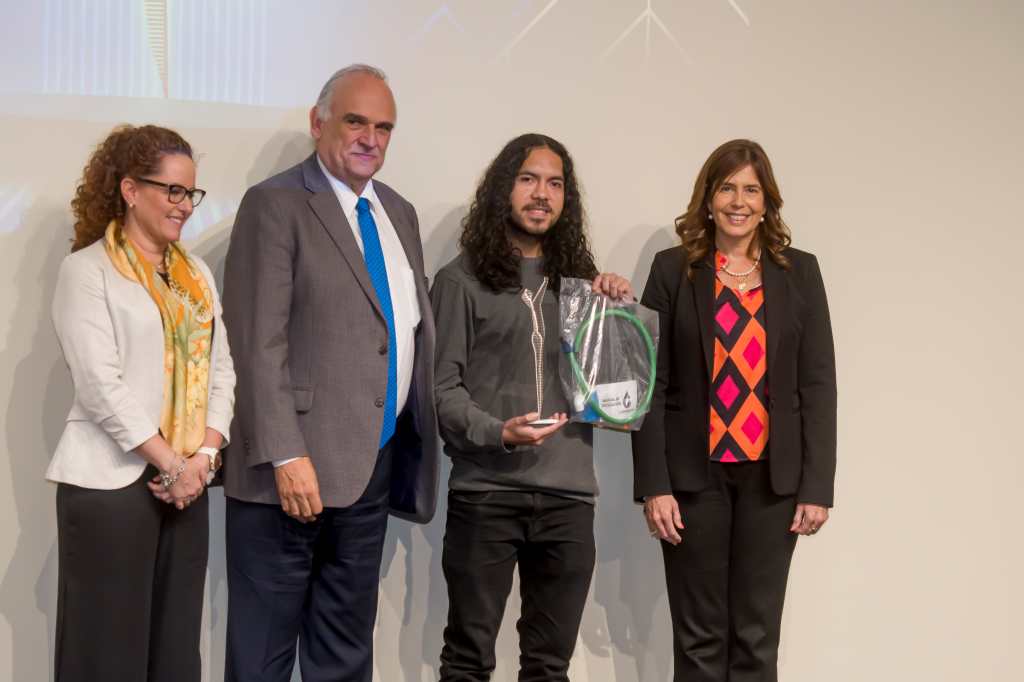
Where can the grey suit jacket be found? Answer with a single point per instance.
(310, 348)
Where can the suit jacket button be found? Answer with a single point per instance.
(379, 402)
(383, 349)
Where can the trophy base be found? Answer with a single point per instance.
(542, 422)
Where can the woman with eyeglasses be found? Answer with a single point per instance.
(737, 456)
(138, 319)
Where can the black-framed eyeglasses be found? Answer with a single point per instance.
(177, 193)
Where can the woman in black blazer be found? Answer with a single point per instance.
(737, 456)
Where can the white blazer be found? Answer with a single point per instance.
(113, 342)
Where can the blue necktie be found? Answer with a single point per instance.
(374, 256)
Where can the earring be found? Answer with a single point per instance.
(710, 217)
(762, 219)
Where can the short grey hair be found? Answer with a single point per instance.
(323, 102)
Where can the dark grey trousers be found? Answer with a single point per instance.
(315, 583)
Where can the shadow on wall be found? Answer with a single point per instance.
(659, 238)
(629, 582)
(420, 638)
(441, 243)
(423, 618)
(285, 149)
(32, 429)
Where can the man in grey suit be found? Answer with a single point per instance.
(330, 325)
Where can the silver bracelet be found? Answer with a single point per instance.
(168, 480)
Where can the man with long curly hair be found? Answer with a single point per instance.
(522, 488)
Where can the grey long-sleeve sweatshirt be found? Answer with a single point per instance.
(485, 375)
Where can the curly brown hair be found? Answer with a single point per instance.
(697, 229)
(128, 151)
(484, 240)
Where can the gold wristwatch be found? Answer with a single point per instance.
(214, 455)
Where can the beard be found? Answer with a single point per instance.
(523, 238)
(517, 230)
(521, 229)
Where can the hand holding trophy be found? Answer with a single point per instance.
(531, 429)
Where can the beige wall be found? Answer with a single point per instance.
(895, 129)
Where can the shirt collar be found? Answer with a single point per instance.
(346, 196)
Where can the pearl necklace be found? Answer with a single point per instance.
(742, 276)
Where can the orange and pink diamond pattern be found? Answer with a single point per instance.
(739, 420)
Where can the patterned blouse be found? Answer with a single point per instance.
(739, 419)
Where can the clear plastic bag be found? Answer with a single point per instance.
(609, 357)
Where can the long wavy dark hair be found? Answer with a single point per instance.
(128, 151)
(485, 243)
(697, 229)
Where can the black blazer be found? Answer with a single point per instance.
(671, 451)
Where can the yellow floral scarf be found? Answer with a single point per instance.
(186, 309)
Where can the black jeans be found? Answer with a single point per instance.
(488, 533)
(130, 585)
(727, 578)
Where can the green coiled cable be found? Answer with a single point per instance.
(581, 379)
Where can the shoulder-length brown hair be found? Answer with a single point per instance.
(128, 151)
(697, 229)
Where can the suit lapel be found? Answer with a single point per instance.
(704, 299)
(327, 209)
(776, 301)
